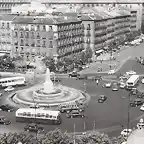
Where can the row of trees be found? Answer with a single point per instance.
(57, 137)
(69, 63)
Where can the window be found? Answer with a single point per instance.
(38, 35)
(21, 48)
(27, 35)
(38, 27)
(50, 44)
(8, 26)
(50, 27)
(15, 34)
(2, 24)
(88, 27)
(21, 34)
(44, 27)
(21, 42)
(44, 43)
(32, 34)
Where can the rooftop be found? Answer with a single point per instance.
(7, 17)
(47, 20)
(92, 1)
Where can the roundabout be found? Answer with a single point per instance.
(46, 94)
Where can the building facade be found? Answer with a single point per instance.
(46, 36)
(6, 33)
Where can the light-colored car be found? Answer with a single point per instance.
(142, 81)
(131, 73)
(9, 89)
(111, 72)
(108, 85)
(122, 85)
(142, 108)
(126, 132)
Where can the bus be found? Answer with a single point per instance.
(41, 116)
(12, 81)
(132, 81)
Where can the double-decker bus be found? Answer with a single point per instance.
(12, 81)
(42, 116)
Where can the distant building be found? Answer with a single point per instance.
(58, 36)
(6, 33)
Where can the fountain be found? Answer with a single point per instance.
(46, 93)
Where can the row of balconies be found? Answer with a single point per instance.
(72, 36)
(70, 28)
(34, 45)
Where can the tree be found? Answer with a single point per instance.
(50, 63)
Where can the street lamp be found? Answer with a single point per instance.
(128, 120)
(94, 125)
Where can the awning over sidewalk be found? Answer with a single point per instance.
(99, 51)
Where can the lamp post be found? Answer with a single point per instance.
(74, 135)
(128, 118)
(94, 125)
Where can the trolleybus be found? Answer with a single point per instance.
(132, 81)
(41, 116)
(12, 81)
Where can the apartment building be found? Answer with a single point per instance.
(48, 35)
(6, 33)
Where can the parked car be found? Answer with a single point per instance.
(6, 108)
(131, 73)
(142, 81)
(115, 87)
(33, 128)
(126, 132)
(142, 108)
(122, 85)
(102, 98)
(74, 74)
(9, 89)
(75, 113)
(4, 120)
(107, 85)
(111, 72)
(136, 102)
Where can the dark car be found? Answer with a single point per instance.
(136, 102)
(55, 79)
(33, 128)
(74, 74)
(4, 120)
(82, 77)
(75, 113)
(6, 108)
(69, 107)
(102, 98)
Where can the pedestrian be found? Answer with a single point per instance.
(97, 82)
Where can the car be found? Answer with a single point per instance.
(69, 107)
(6, 108)
(126, 132)
(75, 113)
(4, 120)
(131, 73)
(134, 91)
(82, 77)
(115, 87)
(33, 128)
(102, 98)
(107, 85)
(74, 74)
(136, 102)
(9, 89)
(142, 108)
(122, 85)
(98, 77)
(111, 72)
(142, 81)
(56, 79)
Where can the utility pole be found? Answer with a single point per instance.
(94, 125)
(74, 135)
(128, 120)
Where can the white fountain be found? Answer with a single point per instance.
(48, 84)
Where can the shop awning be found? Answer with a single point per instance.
(99, 51)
